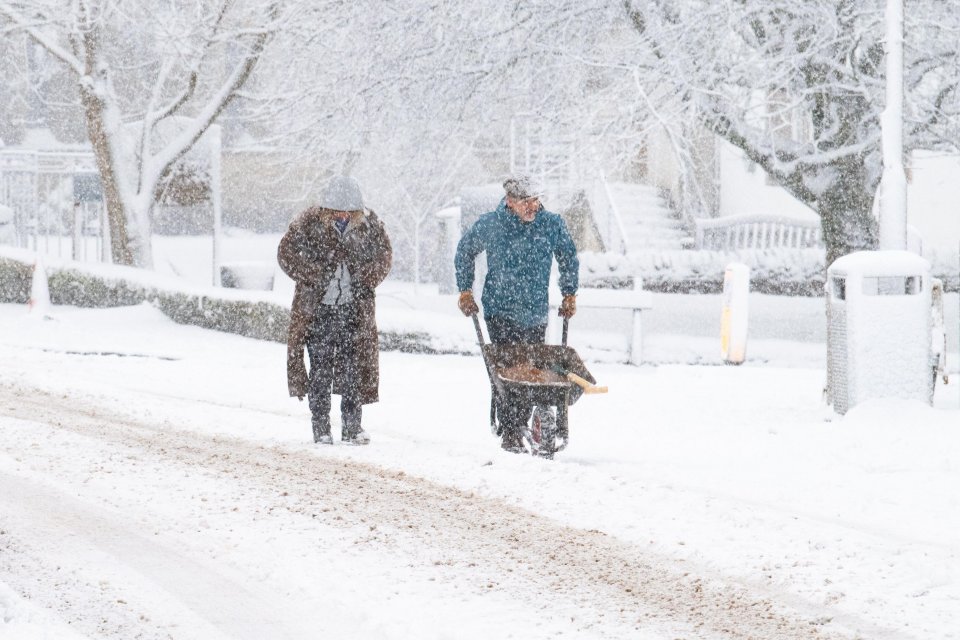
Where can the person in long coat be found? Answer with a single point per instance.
(337, 253)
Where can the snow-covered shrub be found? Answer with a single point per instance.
(792, 272)
(74, 287)
(797, 272)
(228, 310)
(248, 274)
(261, 320)
(15, 277)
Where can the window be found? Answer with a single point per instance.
(839, 288)
(892, 286)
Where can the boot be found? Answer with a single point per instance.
(359, 437)
(351, 414)
(512, 441)
(321, 432)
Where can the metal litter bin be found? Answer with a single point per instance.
(878, 334)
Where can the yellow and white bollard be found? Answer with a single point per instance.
(733, 318)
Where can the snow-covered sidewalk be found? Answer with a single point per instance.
(737, 476)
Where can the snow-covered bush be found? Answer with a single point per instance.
(250, 314)
(14, 281)
(775, 271)
(791, 272)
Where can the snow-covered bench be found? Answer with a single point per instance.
(634, 300)
(757, 231)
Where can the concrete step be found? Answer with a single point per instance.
(648, 222)
(655, 245)
(652, 223)
(644, 199)
(633, 238)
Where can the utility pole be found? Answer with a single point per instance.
(893, 182)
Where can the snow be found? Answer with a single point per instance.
(20, 620)
(745, 189)
(42, 139)
(880, 263)
(736, 474)
(39, 303)
(933, 192)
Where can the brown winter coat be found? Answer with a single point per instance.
(309, 253)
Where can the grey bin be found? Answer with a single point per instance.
(878, 334)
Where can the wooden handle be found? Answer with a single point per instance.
(587, 386)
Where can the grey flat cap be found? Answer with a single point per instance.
(342, 194)
(522, 187)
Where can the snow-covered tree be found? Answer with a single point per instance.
(798, 85)
(390, 96)
(143, 68)
(412, 179)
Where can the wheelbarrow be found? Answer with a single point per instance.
(542, 375)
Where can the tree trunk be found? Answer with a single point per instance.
(93, 108)
(846, 211)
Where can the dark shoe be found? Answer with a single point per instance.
(512, 442)
(360, 437)
(321, 433)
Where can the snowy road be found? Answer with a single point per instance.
(173, 493)
(214, 586)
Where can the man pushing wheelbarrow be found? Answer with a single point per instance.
(521, 239)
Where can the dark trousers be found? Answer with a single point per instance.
(329, 341)
(513, 413)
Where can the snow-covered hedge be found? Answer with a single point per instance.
(794, 272)
(255, 319)
(14, 280)
(246, 313)
(779, 271)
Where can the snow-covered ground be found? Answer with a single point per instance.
(156, 482)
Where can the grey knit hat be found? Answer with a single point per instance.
(342, 194)
(522, 187)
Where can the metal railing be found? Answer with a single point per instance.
(41, 190)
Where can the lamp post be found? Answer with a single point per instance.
(893, 181)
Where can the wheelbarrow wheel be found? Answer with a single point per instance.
(543, 432)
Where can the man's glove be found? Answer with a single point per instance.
(568, 306)
(467, 304)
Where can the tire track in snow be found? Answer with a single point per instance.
(226, 608)
(605, 576)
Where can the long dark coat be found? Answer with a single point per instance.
(309, 253)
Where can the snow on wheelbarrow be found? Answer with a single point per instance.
(543, 375)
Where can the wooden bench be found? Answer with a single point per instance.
(635, 300)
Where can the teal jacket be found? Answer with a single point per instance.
(519, 256)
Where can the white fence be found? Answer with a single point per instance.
(757, 232)
(53, 202)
